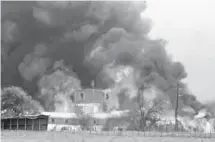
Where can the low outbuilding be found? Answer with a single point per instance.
(25, 122)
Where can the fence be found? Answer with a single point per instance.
(104, 136)
(166, 130)
(152, 134)
(162, 131)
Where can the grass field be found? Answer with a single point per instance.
(29, 136)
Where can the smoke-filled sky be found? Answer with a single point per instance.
(94, 40)
(189, 27)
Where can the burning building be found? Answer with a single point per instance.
(88, 104)
(206, 121)
(89, 101)
(103, 41)
(92, 103)
(62, 121)
(201, 122)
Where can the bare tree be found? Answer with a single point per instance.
(148, 111)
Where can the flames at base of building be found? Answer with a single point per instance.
(90, 103)
(71, 121)
(92, 109)
(200, 122)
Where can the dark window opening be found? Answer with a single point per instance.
(82, 96)
(72, 97)
(107, 96)
(94, 121)
(66, 121)
(52, 120)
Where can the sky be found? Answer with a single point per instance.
(189, 28)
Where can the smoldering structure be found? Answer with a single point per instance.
(72, 43)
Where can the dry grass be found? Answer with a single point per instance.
(30, 136)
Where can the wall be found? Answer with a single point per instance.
(63, 123)
(90, 96)
(88, 108)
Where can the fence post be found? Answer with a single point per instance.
(32, 124)
(210, 133)
(39, 124)
(166, 126)
(25, 123)
(10, 123)
(3, 124)
(17, 123)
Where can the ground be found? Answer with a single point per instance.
(30, 136)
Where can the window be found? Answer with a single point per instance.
(66, 121)
(107, 96)
(82, 96)
(52, 120)
(72, 97)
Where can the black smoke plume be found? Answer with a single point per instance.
(88, 36)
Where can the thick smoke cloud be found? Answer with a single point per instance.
(96, 38)
(34, 64)
(57, 86)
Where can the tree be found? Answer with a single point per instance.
(15, 101)
(148, 110)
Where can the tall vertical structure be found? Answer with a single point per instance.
(176, 108)
(141, 105)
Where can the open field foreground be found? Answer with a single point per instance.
(29, 136)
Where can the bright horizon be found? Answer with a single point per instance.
(189, 28)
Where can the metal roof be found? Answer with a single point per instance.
(25, 116)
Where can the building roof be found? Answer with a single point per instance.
(112, 114)
(60, 114)
(101, 115)
(25, 116)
